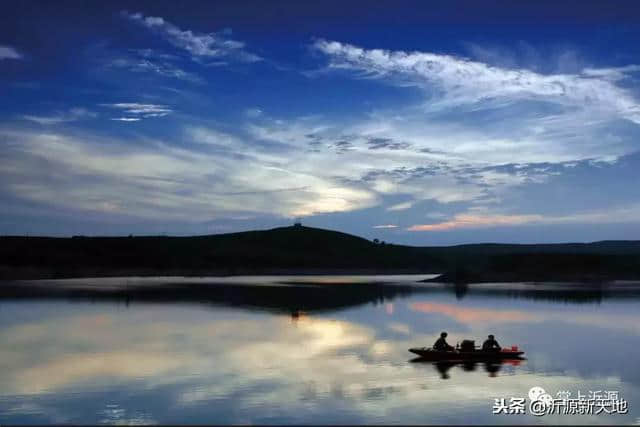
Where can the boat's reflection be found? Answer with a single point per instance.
(491, 367)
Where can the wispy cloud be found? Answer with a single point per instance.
(61, 117)
(126, 119)
(8, 52)
(410, 170)
(386, 144)
(461, 81)
(223, 174)
(138, 111)
(137, 108)
(199, 45)
(147, 65)
(479, 133)
(161, 181)
(400, 206)
(203, 135)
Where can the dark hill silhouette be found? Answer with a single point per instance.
(279, 250)
(299, 250)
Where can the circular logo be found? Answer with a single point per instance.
(535, 393)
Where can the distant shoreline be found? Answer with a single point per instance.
(540, 276)
(12, 274)
(300, 250)
(452, 277)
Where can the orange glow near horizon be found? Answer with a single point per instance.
(476, 221)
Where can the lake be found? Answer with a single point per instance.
(310, 350)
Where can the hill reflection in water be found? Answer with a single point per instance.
(299, 294)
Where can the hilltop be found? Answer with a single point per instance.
(300, 250)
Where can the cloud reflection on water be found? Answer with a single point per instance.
(472, 315)
(248, 366)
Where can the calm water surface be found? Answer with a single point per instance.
(242, 360)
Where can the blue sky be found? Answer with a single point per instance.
(425, 123)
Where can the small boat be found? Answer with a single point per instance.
(427, 353)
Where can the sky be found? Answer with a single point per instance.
(422, 123)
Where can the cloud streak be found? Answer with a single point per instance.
(614, 215)
(477, 221)
(199, 45)
(8, 52)
(72, 115)
(147, 65)
(138, 111)
(126, 119)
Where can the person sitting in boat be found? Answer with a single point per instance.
(441, 343)
(491, 344)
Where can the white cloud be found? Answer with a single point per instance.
(613, 74)
(269, 170)
(154, 180)
(210, 136)
(461, 81)
(8, 52)
(473, 121)
(199, 45)
(61, 117)
(146, 65)
(450, 162)
(126, 119)
(138, 111)
(311, 144)
(415, 171)
(137, 108)
(400, 206)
